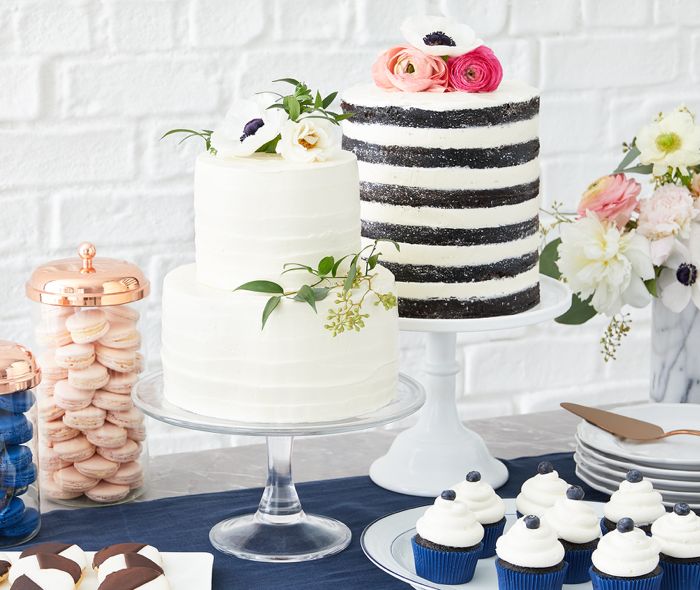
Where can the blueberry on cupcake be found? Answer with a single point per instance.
(678, 535)
(576, 525)
(626, 559)
(488, 508)
(448, 544)
(541, 491)
(635, 499)
(530, 557)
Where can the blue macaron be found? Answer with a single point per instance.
(15, 456)
(11, 514)
(26, 525)
(18, 479)
(18, 402)
(15, 429)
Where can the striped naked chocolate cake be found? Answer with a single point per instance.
(453, 177)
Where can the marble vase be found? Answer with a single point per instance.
(675, 354)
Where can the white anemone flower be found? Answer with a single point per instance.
(678, 282)
(600, 262)
(438, 35)
(248, 125)
(672, 141)
(312, 138)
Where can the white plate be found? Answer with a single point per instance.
(387, 544)
(618, 474)
(185, 571)
(677, 451)
(676, 474)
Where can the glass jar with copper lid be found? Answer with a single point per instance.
(92, 448)
(20, 513)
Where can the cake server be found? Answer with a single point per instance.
(623, 426)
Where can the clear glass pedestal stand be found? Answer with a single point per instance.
(280, 530)
(439, 450)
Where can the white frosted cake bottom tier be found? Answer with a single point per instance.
(218, 362)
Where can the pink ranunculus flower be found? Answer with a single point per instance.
(408, 69)
(665, 216)
(476, 71)
(613, 197)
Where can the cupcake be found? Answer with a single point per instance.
(635, 499)
(488, 508)
(626, 559)
(577, 527)
(678, 535)
(541, 491)
(530, 557)
(448, 544)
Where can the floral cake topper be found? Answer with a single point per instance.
(441, 56)
(297, 126)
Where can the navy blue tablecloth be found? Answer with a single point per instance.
(183, 523)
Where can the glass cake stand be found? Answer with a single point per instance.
(280, 531)
(439, 450)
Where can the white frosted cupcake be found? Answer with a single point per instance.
(486, 505)
(577, 527)
(447, 545)
(635, 499)
(626, 559)
(541, 491)
(678, 535)
(530, 557)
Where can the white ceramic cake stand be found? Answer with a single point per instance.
(439, 450)
(280, 531)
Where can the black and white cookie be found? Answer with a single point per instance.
(44, 580)
(125, 561)
(70, 551)
(147, 551)
(45, 561)
(4, 568)
(135, 578)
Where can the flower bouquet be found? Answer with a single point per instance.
(626, 248)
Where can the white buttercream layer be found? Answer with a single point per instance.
(524, 547)
(678, 536)
(253, 215)
(450, 523)
(477, 290)
(540, 493)
(480, 498)
(573, 521)
(218, 362)
(636, 500)
(626, 555)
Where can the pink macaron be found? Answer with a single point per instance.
(130, 451)
(117, 359)
(87, 325)
(139, 363)
(49, 460)
(122, 313)
(93, 377)
(56, 431)
(75, 356)
(106, 493)
(51, 490)
(48, 410)
(131, 418)
(86, 419)
(97, 467)
(120, 382)
(138, 434)
(75, 449)
(122, 334)
(107, 436)
(71, 480)
(68, 397)
(115, 402)
(127, 474)
(50, 370)
(52, 332)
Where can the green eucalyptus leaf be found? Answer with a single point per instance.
(548, 259)
(329, 100)
(270, 147)
(320, 293)
(579, 312)
(291, 81)
(325, 266)
(270, 306)
(306, 293)
(639, 169)
(343, 116)
(350, 279)
(630, 157)
(261, 287)
(372, 261)
(396, 244)
(292, 106)
(338, 262)
(318, 102)
(652, 287)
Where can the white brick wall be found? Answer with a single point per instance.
(88, 87)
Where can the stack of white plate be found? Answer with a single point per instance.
(671, 464)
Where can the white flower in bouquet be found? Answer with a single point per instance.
(665, 216)
(678, 281)
(312, 138)
(672, 141)
(439, 35)
(608, 265)
(248, 126)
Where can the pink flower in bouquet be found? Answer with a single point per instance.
(408, 69)
(612, 197)
(476, 71)
(665, 216)
(695, 185)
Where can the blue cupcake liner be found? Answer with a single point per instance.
(18, 402)
(491, 534)
(509, 579)
(606, 583)
(680, 576)
(445, 567)
(580, 563)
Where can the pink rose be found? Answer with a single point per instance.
(408, 69)
(476, 71)
(611, 197)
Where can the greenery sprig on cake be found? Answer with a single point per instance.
(299, 126)
(349, 286)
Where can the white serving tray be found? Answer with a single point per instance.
(185, 571)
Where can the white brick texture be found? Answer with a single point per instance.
(89, 87)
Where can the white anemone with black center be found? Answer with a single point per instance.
(439, 35)
(678, 281)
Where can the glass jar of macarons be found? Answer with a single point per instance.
(20, 517)
(92, 439)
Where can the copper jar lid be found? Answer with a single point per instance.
(18, 368)
(87, 281)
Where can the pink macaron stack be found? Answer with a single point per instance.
(91, 433)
